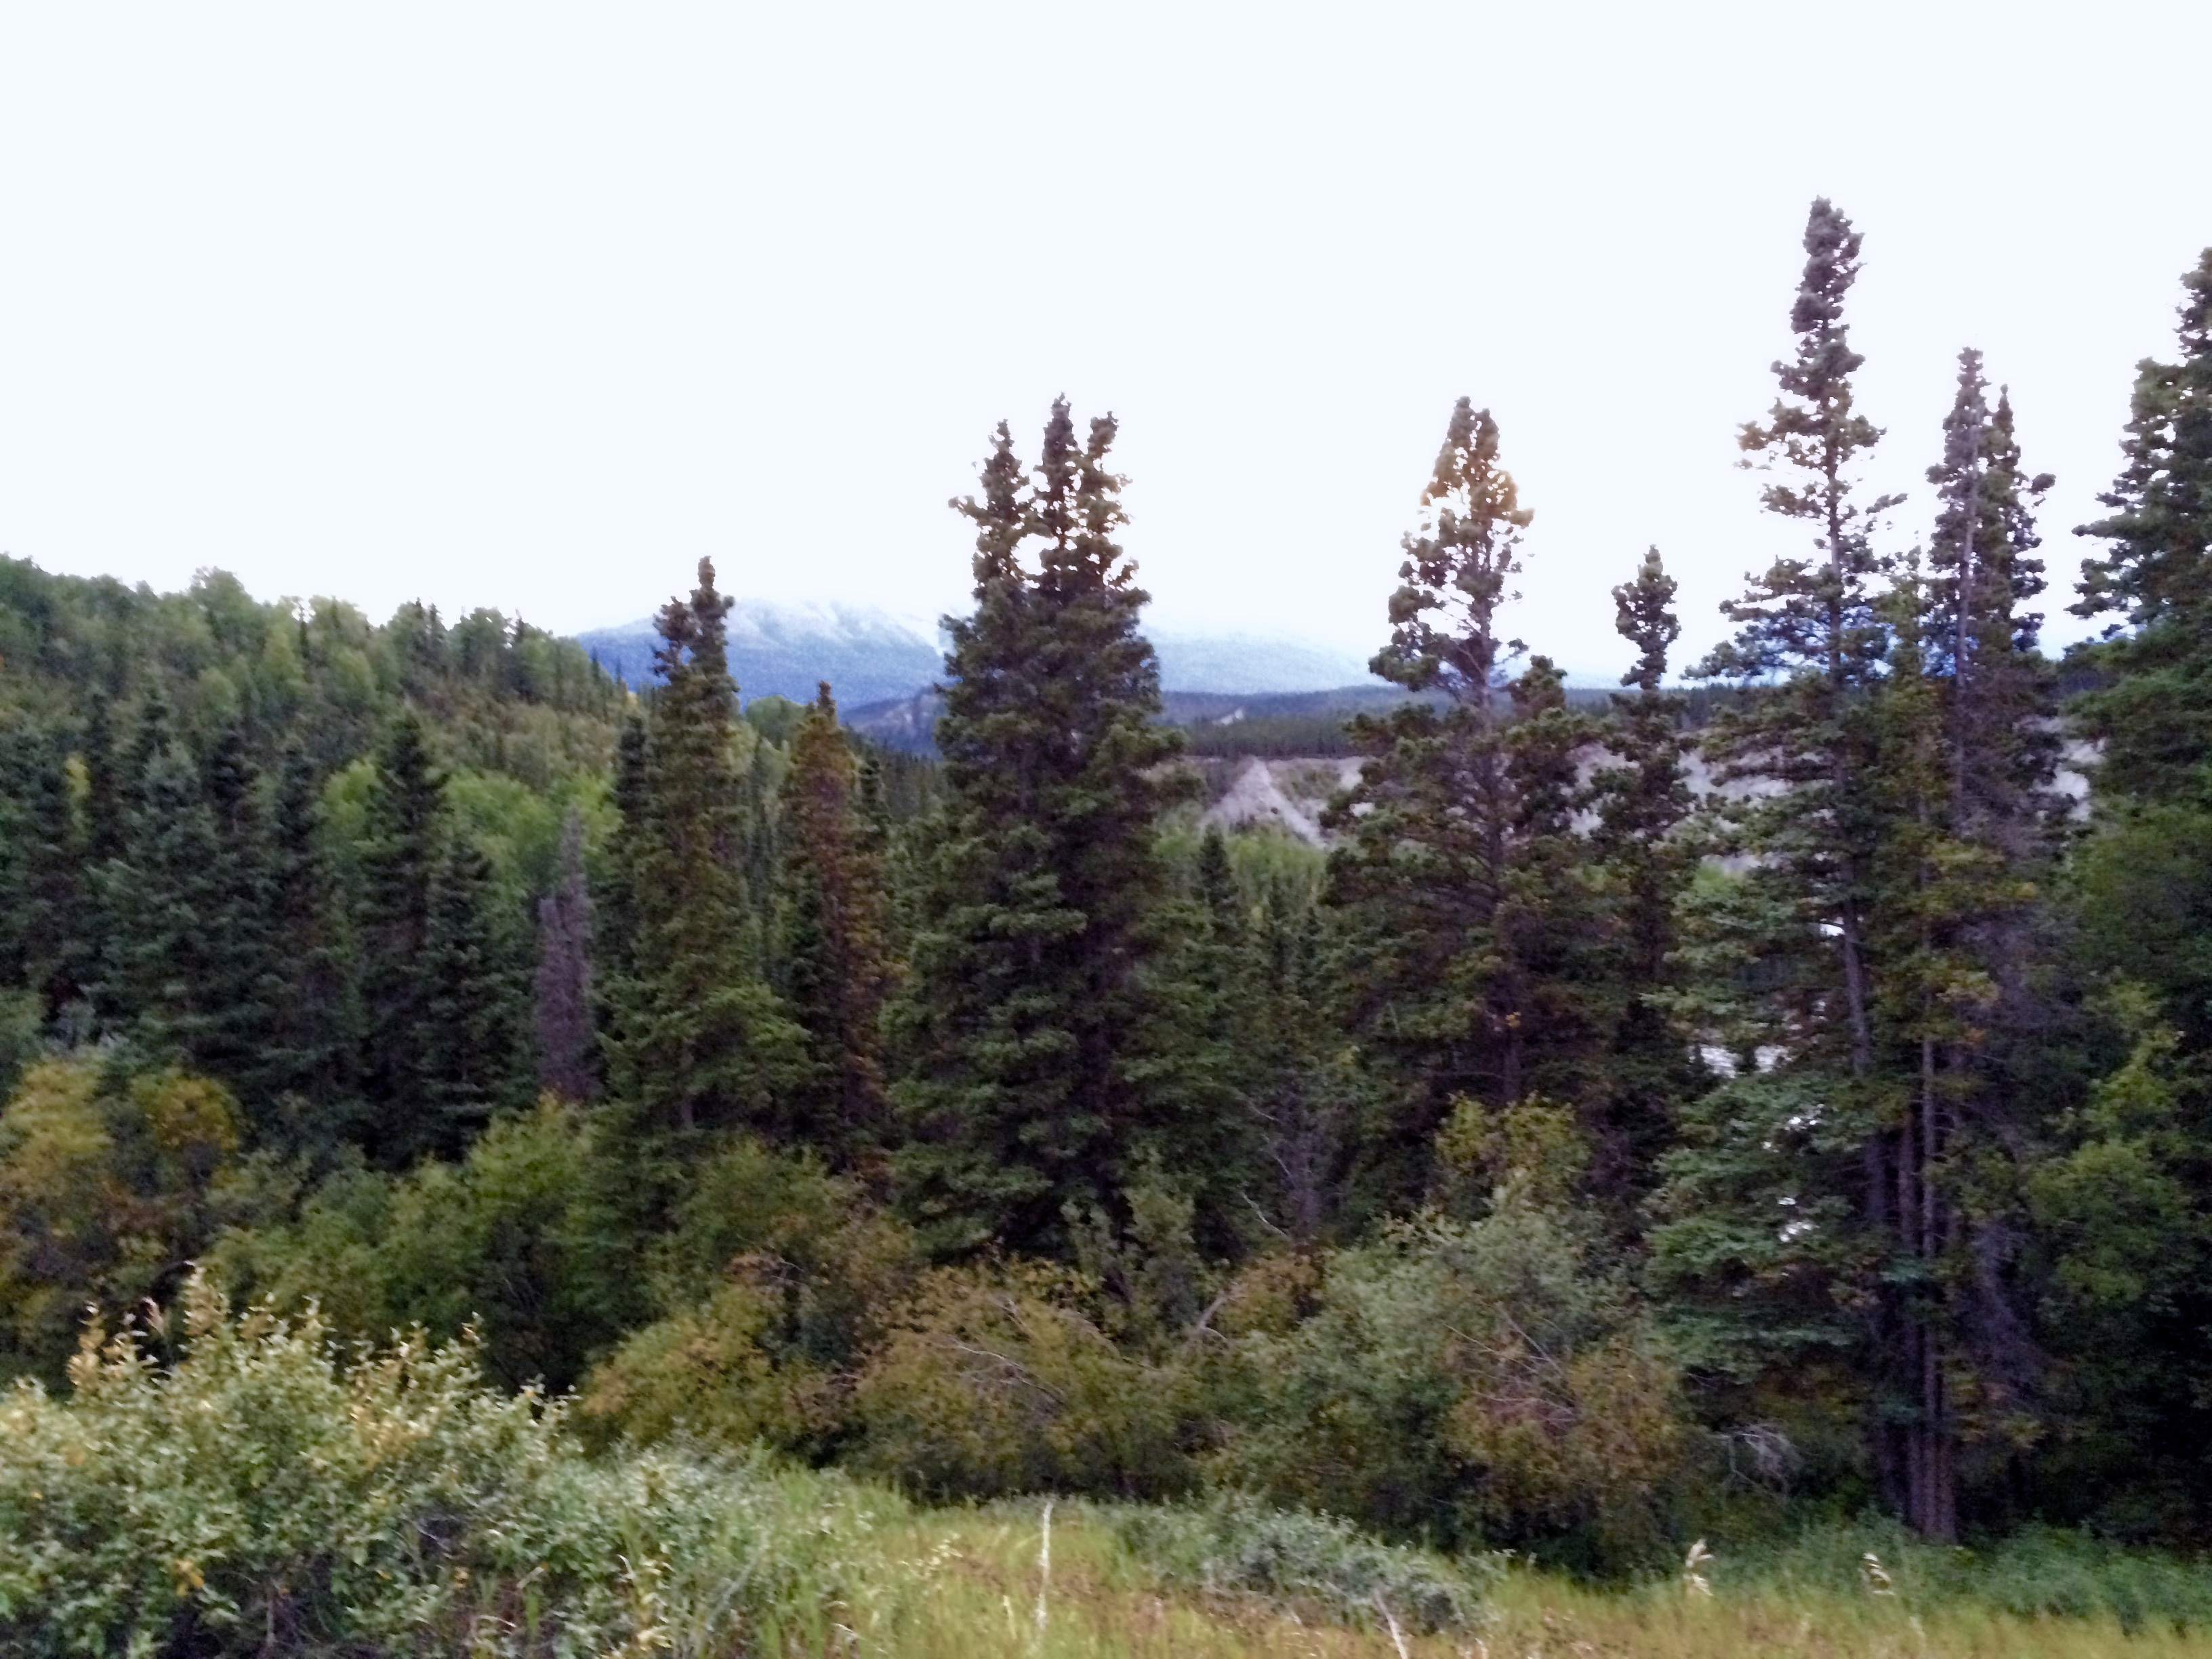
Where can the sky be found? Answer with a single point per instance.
(531, 307)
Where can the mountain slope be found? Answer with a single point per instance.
(784, 650)
(869, 655)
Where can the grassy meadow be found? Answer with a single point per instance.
(975, 1583)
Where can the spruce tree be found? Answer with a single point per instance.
(41, 900)
(163, 905)
(471, 1059)
(833, 928)
(2154, 716)
(697, 1037)
(405, 829)
(243, 966)
(1964, 764)
(1810, 624)
(568, 1047)
(1981, 641)
(1040, 873)
(1467, 913)
(310, 1056)
(1803, 1129)
(1643, 805)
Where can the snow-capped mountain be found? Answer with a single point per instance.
(868, 655)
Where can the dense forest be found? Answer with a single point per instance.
(1561, 1159)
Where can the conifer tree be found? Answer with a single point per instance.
(41, 940)
(242, 964)
(1642, 804)
(698, 1039)
(472, 1058)
(1966, 754)
(2155, 717)
(1468, 916)
(404, 830)
(311, 1048)
(1810, 624)
(1980, 640)
(1040, 874)
(567, 1049)
(1803, 1129)
(615, 908)
(833, 930)
(163, 904)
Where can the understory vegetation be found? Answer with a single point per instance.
(694, 1180)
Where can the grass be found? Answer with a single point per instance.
(966, 1585)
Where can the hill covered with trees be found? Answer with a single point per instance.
(1560, 1159)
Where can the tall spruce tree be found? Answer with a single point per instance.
(568, 1046)
(1040, 877)
(1981, 641)
(1468, 915)
(697, 1039)
(1804, 1129)
(1642, 805)
(1965, 760)
(833, 929)
(2154, 716)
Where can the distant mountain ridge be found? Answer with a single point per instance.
(870, 655)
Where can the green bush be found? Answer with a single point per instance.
(530, 1239)
(1301, 1562)
(110, 1183)
(774, 1279)
(1000, 1379)
(266, 1495)
(1467, 1382)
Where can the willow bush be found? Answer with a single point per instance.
(268, 1492)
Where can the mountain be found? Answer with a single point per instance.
(869, 655)
(1253, 663)
(784, 650)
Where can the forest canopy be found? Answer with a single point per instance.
(1774, 1085)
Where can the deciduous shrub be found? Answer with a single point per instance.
(110, 1184)
(1470, 1382)
(1305, 1562)
(1000, 1379)
(528, 1239)
(775, 1279)
(267, 1495)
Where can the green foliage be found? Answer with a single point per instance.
(263, 1494)
(1469, 1382)
(532, 1240)
(1304, 1563)
(111, 1183)
(772, 1281)
(1470, 923)
(696, 1036)
(1037, 879)
(2154, 711)
(833, 941)
(998, 1378)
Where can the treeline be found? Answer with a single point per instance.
(1562, 1159)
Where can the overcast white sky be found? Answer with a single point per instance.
(531, 306)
